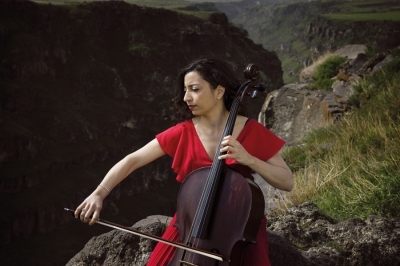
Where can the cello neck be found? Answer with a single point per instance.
(204, 210)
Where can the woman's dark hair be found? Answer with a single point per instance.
(216, 72)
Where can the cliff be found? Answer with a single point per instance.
(82, 85)
(301, 32)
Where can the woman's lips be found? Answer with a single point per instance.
(191, 107)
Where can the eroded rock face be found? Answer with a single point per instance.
(375, 241)
(351, 51)
(294, 110)
(301, 236)
(122, 248)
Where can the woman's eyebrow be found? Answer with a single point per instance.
(191, 85)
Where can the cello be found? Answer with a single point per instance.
(218, 210)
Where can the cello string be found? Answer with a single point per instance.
(212, 183)
(196, 241)
(199, 211)
(216, 174)
(206, 203)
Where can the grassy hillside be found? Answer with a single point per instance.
(351, 169)
(285, 27)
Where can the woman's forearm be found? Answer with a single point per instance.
(127, 165)
(274, 171)
(115, 176)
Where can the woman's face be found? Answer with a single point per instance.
(199, 95)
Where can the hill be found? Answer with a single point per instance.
(301, 32)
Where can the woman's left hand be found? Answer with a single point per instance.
(234, 150)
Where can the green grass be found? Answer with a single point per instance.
(289, 65)
(351, 168)
(379, 16)
(300, 47)
(325, 72)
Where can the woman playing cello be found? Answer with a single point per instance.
(206, 89)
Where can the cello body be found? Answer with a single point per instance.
(234, 221)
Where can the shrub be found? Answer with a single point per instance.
(372, 50)
(325, 72)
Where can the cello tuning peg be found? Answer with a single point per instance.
(261, 87)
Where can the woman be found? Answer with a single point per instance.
(207, 88)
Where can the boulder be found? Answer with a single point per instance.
(324, 241)
(351, 51)
(121, 248)
(292, 111)
(300, 236)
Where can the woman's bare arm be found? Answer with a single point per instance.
(92, 205)
(275, 170)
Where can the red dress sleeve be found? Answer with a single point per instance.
(259, 141)
(182, 144)
(171, 140)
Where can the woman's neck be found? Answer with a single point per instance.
(212, 124)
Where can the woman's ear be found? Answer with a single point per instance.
(220, 92)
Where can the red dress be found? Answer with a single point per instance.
(182, 143)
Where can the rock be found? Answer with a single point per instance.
(273, 197)
(122, 248)
(282, 252)
(342, 91)
(332, 110)
(292, 111)
(357, 63)
(300, 236)
(375, 241)
(381, 64)
(351, 51)
(367, 67)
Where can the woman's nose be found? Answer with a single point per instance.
(186, 96)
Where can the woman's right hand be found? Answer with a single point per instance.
(89, 210)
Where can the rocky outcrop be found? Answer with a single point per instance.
(122, 248)
(294, 110)
(301, 236)
(325, 34)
